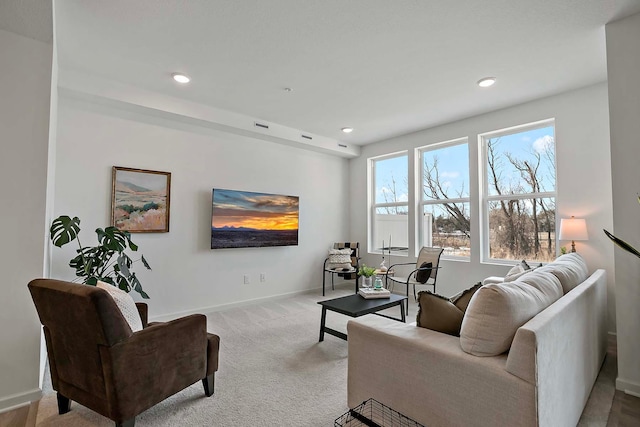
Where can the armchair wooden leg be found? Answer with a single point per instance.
(64, 404)
(127, 423)
(208, 384)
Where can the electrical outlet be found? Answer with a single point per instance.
(246, 279)
(263, 277)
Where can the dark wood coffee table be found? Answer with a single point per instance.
(356, 306)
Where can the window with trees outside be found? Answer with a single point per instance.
(389, 226)
(444, 199)
(519, 194)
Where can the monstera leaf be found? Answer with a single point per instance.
(624, 245)
(64, 230)
(94, 263)
(113, 239)
(621, 243)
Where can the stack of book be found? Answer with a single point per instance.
(371, 293)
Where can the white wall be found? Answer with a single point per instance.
(583, 179)
(623, 63)
(187, 275)
(24, 124)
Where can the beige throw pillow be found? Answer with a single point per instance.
(496, 312)
(126, 305)
(438, 313)
(339, 259)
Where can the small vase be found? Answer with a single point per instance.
(366, 281)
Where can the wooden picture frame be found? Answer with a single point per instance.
(140, 200)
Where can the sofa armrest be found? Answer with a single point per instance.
(562, 349)
(426, 376)
(161, 359)
(143, 311)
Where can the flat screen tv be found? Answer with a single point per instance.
(243, 219)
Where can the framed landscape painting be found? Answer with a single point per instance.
(140, 200)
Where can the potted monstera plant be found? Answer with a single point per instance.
(624, 245)
(107, 261)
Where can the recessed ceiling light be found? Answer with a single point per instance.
(486, 82)
(347, 130)
(180, 78)
(288, 89)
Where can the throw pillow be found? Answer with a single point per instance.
(423, 275)
(339, 259)
(514, 277)
(497, 311)
(126, 305)
(437, 313)
(516, 269)
(461, 300)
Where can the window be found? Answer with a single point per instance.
(444, 198)
(519, 193)
(390, 207)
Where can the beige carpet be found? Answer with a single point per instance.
(273, 372)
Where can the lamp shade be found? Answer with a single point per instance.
(573, 229)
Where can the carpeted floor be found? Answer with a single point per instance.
(274, 372)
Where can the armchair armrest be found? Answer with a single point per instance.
(400, 263)
(143, 311)
(161, 359)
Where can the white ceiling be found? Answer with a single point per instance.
(383, 67)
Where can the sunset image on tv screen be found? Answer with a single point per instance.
(243, 219)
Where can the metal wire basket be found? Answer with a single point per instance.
(372, 413)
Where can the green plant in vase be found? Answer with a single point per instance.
(107, 261)
(366, 272)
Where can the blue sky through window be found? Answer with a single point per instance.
(524, 146)
(453, 165)
(453, 169)
(387, 171)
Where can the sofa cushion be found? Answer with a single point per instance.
(461, 300)
(570, 269)
(497, 310)
(438, 313)
(545, 282)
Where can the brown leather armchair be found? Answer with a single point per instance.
(96, 360)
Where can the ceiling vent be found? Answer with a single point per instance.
(306, 136)
(260, 125)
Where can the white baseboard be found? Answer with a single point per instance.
(629, 387)
(221, 307)
(14, 401)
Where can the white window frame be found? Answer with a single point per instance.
(373, 206)
(422, 202)
(485, 197)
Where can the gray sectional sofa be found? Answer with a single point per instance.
(543, 379)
